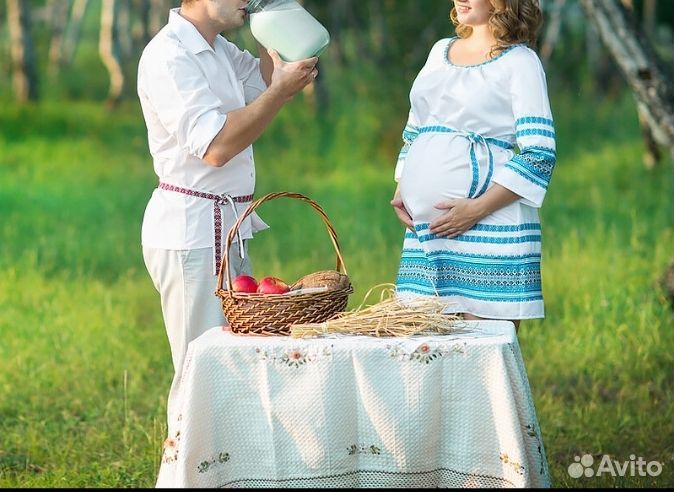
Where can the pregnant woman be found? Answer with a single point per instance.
(478, 154)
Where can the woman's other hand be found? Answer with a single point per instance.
(401, 211)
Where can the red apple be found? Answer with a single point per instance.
(244, 283)
(272, 285)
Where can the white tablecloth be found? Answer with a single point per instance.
(354, 411)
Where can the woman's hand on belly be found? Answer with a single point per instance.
(460, 215)
(401, 211)
(463, 213)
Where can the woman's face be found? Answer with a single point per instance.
(473, 12)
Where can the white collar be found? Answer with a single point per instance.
(187, 33)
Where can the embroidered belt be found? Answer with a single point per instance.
(474, 139)
(217, 215)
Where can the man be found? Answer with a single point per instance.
(204, 102)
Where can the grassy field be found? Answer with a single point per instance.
(84, 361)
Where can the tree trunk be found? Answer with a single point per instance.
(593, 59)
(24, 73)
(142, 36)
(72, 34)
(552, 31)
(123, 28)
(58, 17)
(158, 15)
(638, 62)
(650, 9)
(109, 50)
(652, 153)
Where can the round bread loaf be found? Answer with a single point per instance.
(326, 278)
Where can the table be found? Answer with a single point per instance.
(354, 411)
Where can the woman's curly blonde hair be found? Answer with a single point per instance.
(511, 22)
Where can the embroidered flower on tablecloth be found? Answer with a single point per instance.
(170, 454)
(294, 356)
(205, 465)
(363, 449)
(424, 353)
(170, 443)
(505, 459)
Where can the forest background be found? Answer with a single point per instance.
(84, 361)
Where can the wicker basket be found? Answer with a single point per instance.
(274, 314)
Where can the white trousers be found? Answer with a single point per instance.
(186, 286)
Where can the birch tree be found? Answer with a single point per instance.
(24, 73)
(638, 62)
(553, 30)
(109, 50)
(72, 32)
(58, 18)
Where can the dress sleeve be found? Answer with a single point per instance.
(528, 173)
(410, 132)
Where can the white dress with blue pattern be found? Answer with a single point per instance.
(470, 127)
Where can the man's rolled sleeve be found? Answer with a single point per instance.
(186, 105)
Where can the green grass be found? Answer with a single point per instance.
(84, 361)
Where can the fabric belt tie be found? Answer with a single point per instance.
(474, 139)
(218, 200)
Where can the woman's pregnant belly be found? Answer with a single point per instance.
(437, 168)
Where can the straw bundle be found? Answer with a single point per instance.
(389, 317)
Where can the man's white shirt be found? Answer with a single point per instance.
(186, 88)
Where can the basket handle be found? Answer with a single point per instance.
(224, 264)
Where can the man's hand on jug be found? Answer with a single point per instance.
(291, 77)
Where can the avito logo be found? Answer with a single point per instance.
(583, 466)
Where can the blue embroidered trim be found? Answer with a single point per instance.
(486, 62)
(410, 133)
(497, 240)
(476, 239)
(403, 285)
(541, 165)
(536, 167)
(475, 169)
(528, 226)
(550, 152)
(489, 228)
(445, 129)
(490, 173)
(494, 279)
(475, 258)
(535, 131)
(534, 120)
